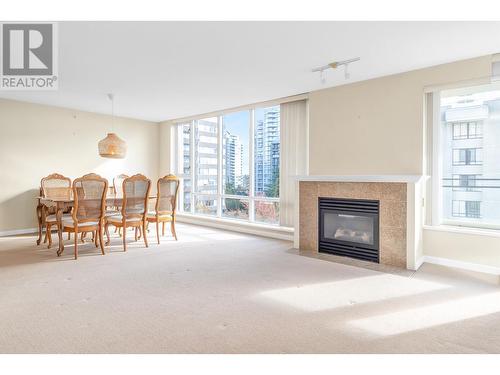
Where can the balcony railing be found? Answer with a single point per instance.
(473, 184)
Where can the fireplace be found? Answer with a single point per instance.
(349, 227)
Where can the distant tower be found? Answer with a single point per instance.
(267, 149)
(233, 159)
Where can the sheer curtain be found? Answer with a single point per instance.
(294, 155)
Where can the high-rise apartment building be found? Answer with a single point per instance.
(471, 157)
(267, 150)
(233, 159)
(206, 156)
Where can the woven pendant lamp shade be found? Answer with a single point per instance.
(112, 147)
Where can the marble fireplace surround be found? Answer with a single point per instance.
(400, 212)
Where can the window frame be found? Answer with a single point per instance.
(251, 198)
(467, 156)
(468, 177)
(464, 214)
(468, 134)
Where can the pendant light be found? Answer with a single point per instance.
(112, 146)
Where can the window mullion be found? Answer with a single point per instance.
(251, 162)
(219, 166)
(178, 157)
(192, 162)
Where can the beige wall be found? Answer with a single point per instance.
(463, 247)
(376, 126)
(37, 140)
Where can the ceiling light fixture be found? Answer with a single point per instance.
(112, 146)
(335, 65)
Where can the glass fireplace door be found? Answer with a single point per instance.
(349, 227)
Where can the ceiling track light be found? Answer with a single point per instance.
(335, 65)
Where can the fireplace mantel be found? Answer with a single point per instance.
(401, 198)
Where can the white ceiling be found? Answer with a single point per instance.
(167, 70)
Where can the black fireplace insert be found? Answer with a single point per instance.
(349, 227)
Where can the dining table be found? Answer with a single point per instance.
(64, 204)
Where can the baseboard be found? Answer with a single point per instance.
(17, 232)
(461, 265)
(278, 233)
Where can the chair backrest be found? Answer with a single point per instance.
(135, 196)
(89, 193)
(166, 201)
(56, 186)
(117, 185)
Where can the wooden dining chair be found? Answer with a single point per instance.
(118, 193)
(54, 186)
(166, 204)
(89, 194)
(134, 208)
(118, 183)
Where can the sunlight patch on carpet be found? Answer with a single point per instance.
(429, 316)
(324, 296)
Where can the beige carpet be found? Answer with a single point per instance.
(222, 292)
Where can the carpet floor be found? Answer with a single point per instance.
(215, 291)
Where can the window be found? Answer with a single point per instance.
(206, 153)
(465, 182)
(467, 156)
(267, 151)
(184, 170)
(468, 209)
(467, 130)
(231, 165)
(236, 165)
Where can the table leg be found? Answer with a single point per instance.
(59, 214)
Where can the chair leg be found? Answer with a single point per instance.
(76, 243)
(157, 231)
(69, 236)
(147, 226)
(96, 238)
(144, 230)
(163, 228)
(84, 234)
(101, 241)
(124, 235)
(48, 234)
(172, 229)
(120, 231)
(140, 233)
(40, 228)
(106, 228)
(136, 229)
